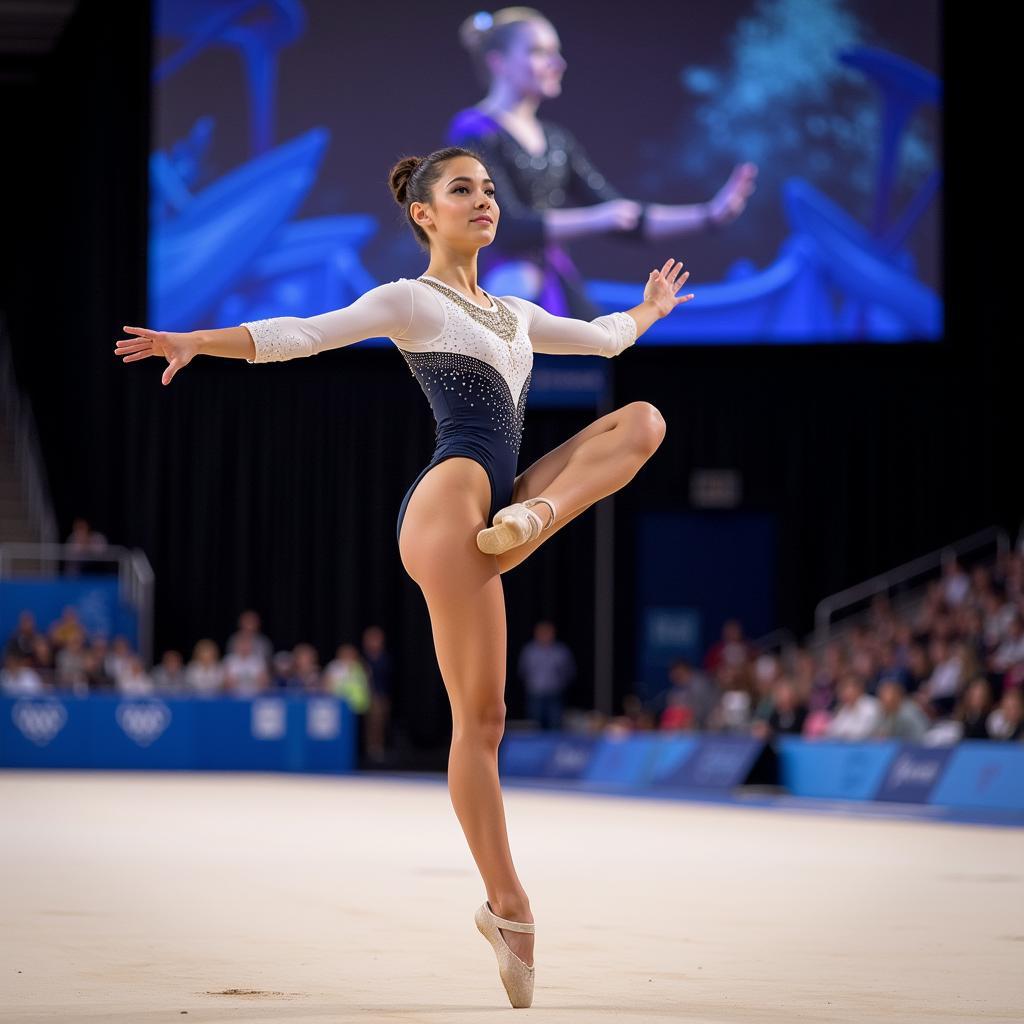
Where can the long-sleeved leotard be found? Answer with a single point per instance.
(473, 364)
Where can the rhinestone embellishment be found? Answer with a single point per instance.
(501, 320)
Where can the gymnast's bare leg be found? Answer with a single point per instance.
(466, 603)
(599, 460)
(465, 599)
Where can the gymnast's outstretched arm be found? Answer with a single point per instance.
(612, 333)
(388, 310)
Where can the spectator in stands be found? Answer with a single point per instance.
(119, 657)
(18, 678)
(999, 616)
(688, 701)
(826, 679)
(69, 663)
(956, 584)
(804, 669)
(881, 618)
(899, 718)
(22, 641)
(169, 675)
(378, 662)
(305, 669)
(858, 714)
(970, 626)
(205, 674)
(245, 668)
(767, 670)
(973, 709)
(281, 670)
(345, 676)
(734, 704)
(66, 628)
(893, 667)
(947, 677)
(919, 668)
(731, 649)
(786, 716)
(43, 660)
(95, 673)
(100, 646)
(82, 541)
(134, 681)
(1010, 574)
(866, 665)
(1006, 722)
(249, 626)
(1010, 652)
(634, 718)
(546, 666)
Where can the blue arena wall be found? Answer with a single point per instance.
(272, 733)
(975, 774)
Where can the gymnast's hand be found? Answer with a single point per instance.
(662, 285)
(177, 349)
(731, 198)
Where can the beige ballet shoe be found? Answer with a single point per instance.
(516, 976)
(514, 525)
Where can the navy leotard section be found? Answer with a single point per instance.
(500, 497)
(475, 419)
(476, 414)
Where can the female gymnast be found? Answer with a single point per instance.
(550, 191)
(471, 353)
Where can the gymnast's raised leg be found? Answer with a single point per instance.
(596, 462)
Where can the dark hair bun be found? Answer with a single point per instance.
(399, 177)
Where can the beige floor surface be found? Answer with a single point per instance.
(133, 897)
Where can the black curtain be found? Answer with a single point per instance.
(277, 487)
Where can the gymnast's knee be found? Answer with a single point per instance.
(646, 426)
(483, 725)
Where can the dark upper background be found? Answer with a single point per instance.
(280, 489)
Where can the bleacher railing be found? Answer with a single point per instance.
(828, 609)
(135, 576)
(17, 414)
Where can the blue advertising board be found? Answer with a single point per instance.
(269, 733)
(833, 768)
(981, 773)
(913, 774)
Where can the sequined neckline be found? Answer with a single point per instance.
(483, 309)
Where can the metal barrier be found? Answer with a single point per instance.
(831, 606)
(17, 414)
(134, 576)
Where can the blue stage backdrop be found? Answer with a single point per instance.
(277, 120)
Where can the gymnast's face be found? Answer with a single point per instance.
(463, 214)
(533, 64)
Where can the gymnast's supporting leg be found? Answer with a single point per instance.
(599, 460)
(465, 599)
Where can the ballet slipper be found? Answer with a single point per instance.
(516, 976)
(514, 525)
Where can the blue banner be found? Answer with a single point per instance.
(553, 755)
(982, 773)
(719, 762)
(913, 774)
(271, 733)
(832, 768)
(625, 759)
(975, 775)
